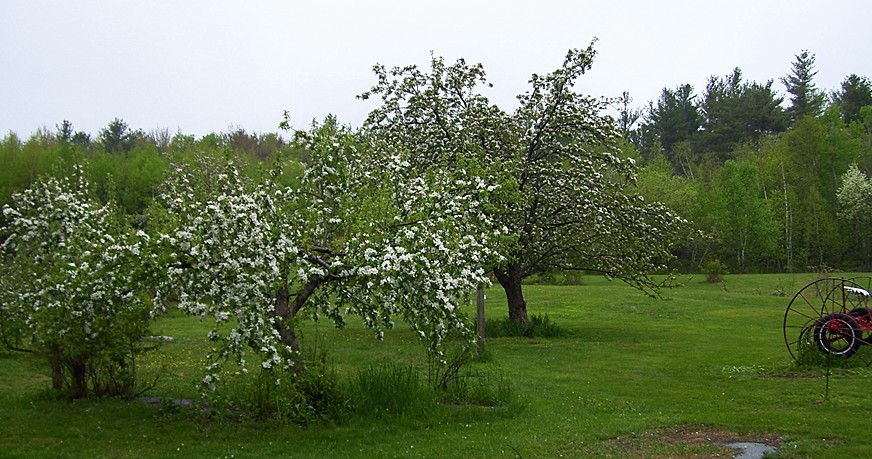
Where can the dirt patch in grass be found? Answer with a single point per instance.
(685, 442)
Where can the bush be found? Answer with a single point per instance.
(70, 288)
(714, 271)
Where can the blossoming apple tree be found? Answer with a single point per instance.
(72, 285)
(577, 208)
(361, 233)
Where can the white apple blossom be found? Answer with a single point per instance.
(73, 274)
(575, 206)
(363, 233)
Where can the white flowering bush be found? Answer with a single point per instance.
(362, 233)
(71, 287)
(854, 196)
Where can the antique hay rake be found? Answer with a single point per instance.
(830, 318)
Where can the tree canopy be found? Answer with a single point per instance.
(854, 94)
(575, 209)
(361, 233)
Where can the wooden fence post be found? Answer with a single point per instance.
(479, 322)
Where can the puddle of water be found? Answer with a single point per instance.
(750, 450)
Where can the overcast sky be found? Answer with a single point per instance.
(209, 66)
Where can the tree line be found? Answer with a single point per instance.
(771, 184)
(124, 164)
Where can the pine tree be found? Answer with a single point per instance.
(805, 98)
(856, 93)
(735, 111)
(675, 117)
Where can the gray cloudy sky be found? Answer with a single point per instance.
(204, 66)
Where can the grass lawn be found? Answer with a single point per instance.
(631, 377)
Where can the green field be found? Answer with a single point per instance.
(630, 377)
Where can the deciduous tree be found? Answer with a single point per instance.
(744, 223)
(72, 287)
(362, 233)
(855, 202)
(576, 207)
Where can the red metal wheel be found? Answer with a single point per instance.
(837, 334)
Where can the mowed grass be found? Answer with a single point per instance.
(631, 376)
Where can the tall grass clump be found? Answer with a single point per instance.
(459, 384)
(481, 389)
(312, 395)
(557, 277)
(539, 326)
(391, 390)
(403, 392)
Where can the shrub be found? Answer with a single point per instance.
(714, 271)
(70, 287)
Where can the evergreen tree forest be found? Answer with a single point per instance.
(774, 176)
